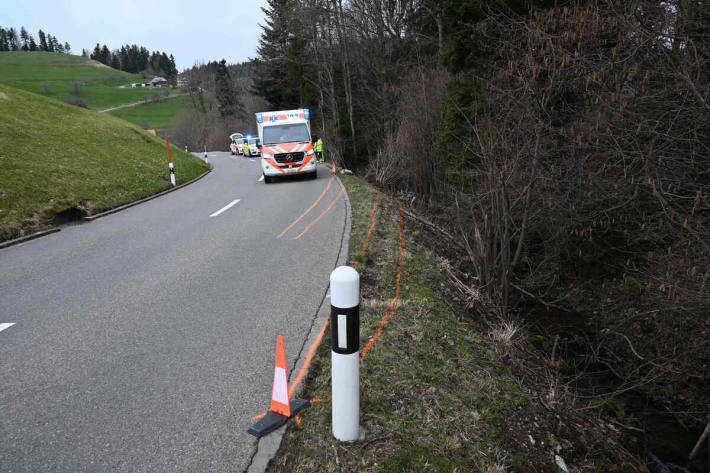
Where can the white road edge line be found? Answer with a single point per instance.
(261, 178)
(226, 207)
(6, 325)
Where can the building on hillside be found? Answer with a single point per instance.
(158, 82)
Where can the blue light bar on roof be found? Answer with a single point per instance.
(307, 113)
(259, 118)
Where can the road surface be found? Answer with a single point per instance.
(144, 341)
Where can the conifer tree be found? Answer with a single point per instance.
(42, 40)
(25, 38)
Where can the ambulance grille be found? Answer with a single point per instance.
(288, 157)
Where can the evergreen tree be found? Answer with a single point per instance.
(228, 102)
(84, 53)
(33, 45)
(272, 69)
(123, 58)
(67, 47)
(105, 56)
(13, 42)
(25, 38)
(96, 55)
(4, 44)
(42, 40)
(55, 45)
(115, 60)
(50, 43)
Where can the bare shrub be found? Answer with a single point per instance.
(405, 160)
(503, 335)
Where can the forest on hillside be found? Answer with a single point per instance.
(561, 151)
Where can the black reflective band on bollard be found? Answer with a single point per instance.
(345, 337)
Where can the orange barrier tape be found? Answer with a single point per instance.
(310, 225)
(308, 210)
(393, 304)
(369, 231)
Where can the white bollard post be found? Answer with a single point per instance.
(345, 352)
(172, 173)
(206, 155)
(186, 148)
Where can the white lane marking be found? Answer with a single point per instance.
(6, 325)
(226, 207)
(261, 178)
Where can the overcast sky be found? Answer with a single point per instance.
(191, 30)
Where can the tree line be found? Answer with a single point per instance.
(11, 40)
(135, 59)
(563, 145)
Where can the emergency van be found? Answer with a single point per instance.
(286, 147)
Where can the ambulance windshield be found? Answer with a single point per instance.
(287, 133)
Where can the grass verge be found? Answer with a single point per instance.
(59, 162)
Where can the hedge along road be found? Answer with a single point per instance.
(144, 341)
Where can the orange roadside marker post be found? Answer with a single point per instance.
(333, 166)
(282, 408)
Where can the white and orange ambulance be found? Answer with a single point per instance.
(286, 147)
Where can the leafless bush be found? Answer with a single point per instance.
(405, 159)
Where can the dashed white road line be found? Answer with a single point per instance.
(226, 207)
(6, 325)
(261, 178)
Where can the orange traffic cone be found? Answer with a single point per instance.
(282, 408)
(333, 167)
(279, 392)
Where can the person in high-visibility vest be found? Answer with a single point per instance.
(318, 148)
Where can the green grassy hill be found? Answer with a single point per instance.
(56, 159)
(61, 76)
(154, 115)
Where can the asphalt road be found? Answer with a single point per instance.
(144, 341)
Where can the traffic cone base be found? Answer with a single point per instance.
(333, 167)
(282, 408)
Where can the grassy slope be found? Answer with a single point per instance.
(99, 84)
(155, 115)
(437, 394)
(55, 157)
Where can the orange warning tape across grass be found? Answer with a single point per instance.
(369, 231)
(393, 303)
